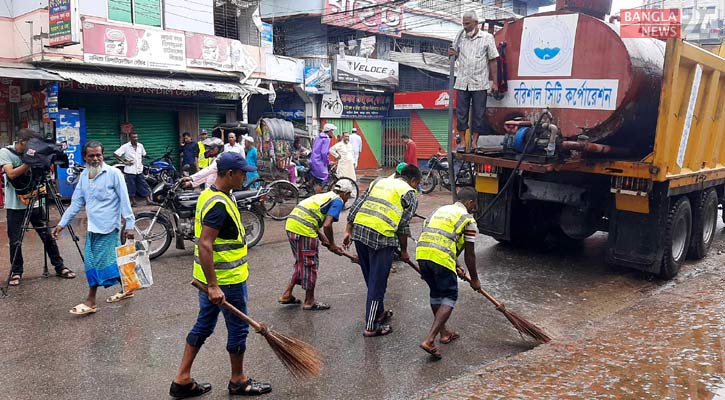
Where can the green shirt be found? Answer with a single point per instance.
(11, 199)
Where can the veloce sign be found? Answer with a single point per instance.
(366, 71)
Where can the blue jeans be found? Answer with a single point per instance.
(237, 330)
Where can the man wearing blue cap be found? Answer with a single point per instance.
(220, 262)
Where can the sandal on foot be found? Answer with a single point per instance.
(433, 351)
(14, 280)
(191, 389)
(291, 300)
(318, 306)
(453, 336)
(82, 309)
(382, 330)
(65, 273)
(119, 296)
(249, 388)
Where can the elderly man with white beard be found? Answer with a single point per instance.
(102, 190)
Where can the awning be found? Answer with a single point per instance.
(154, 82)
(426, 61)
(29, 72)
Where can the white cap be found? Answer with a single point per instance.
(343, 186)
(329, 127)
(354, 130)
(248, 138)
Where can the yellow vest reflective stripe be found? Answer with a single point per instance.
(307, 218)
(229, 255)
(203, 161)
(442, 236)
(383, 208)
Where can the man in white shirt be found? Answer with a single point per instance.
(233, 146)
(476, 54)
(356, 142)
(131, 154)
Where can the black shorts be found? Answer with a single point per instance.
(443, 283)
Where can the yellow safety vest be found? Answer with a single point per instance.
(383, 207)
(230, 256)
(442, 237)
(203, 161)
(307, 218)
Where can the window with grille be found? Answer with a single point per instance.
(142, 12)
(226, 17)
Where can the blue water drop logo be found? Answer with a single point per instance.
(546, 53)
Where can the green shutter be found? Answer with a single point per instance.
(104, 115)
(156, 130)
(209, 119)
(343, 125)
(147, 12)
(119, 10)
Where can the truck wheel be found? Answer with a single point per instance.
(704, 224)
(677, 237)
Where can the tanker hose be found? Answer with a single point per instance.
(518, 165)
(553, 134)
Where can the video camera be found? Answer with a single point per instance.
(41, 154)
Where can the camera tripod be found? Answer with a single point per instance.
(43, 192)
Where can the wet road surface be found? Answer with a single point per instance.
(131, 349)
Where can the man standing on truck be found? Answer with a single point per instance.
(475, 52)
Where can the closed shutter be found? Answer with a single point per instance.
(104, 115)
(157, 130)
(209, 119)
(429, 131)
(343, 125)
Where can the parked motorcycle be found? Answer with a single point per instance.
(174, 217)
(161, 170)
(437, 173)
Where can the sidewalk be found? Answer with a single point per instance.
(669, 346)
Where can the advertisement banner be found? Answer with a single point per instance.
(267, 37)
(51, 101)
(291, 114)
(366, 71)
(125, 46)
(377, 16)
(285, 69)
(63, 23)
(355, 105)
(318, 80)
(70, 128)
(427, 100)
(222, 54)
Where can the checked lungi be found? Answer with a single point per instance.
(306, 253)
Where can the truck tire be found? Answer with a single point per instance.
(678, 228)
(704, 224)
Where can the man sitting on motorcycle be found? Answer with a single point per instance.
(213, 148)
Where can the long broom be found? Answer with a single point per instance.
(523, 326)
(300, 358)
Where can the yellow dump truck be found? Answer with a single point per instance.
(632, 143)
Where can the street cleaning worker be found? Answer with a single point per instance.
(220, 262)
(450, 230)
(203, 161)
(377, 221)
(313, 218)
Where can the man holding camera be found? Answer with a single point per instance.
(16, 206)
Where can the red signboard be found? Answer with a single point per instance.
(430, 100)
(376, 16)
(658, 23)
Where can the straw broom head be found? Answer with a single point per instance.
(300, 358)
(523, 326)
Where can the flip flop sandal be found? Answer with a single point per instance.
(381, 331)
(387, 314)
(453, 336)
(318, 306)
(191, 389)
(433, 351)
(14, 280)
(65, 273)
(291, 300)
(82, 309)
(249, 388)
(118, 297)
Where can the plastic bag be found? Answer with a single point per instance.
(134, 266)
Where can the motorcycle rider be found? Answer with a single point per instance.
(214, 147)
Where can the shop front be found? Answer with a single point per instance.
(428, 114)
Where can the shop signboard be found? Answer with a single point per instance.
(285, 69)
(125, 46)
(267, 38)
(377, 16)
(63, 23)
(426, 100)
(70, 128)
(355, 105)
(291, 114)
(369, 71)
(222, 54)
(51, 100)
(318, 80)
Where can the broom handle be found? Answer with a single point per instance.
(244, 317)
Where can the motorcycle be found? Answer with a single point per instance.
(174, 217)
(161, 170)
(437, 173)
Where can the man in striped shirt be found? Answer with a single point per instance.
(476, 54)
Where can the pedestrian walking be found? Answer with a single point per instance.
(476, 54)
(15, 208)
(206, 176)
(449, 231)
(310, 220)
(101, 191)
(251, 150)
(131, 154)
(220, 262)
(202, 162)
(232, 146)
(357, 144)
(410, 156)
(377, 223)
(319, 159)
(189, 152)
(343, 153)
